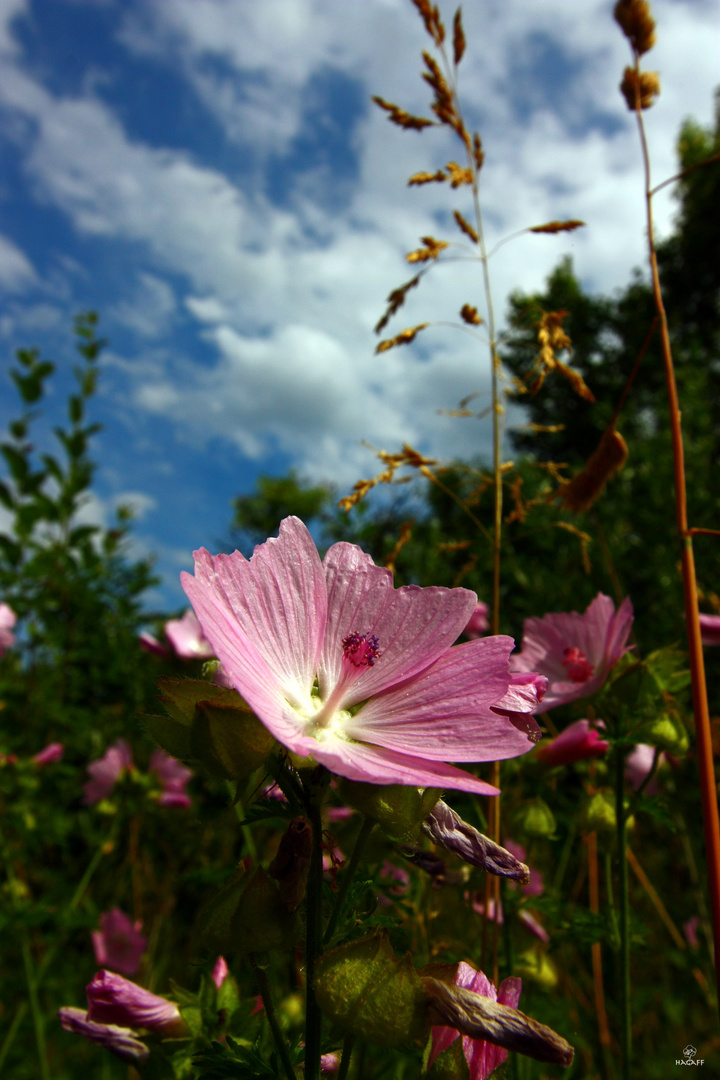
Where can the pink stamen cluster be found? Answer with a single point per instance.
(362, 650)
(578, 667)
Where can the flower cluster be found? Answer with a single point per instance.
(117, 760)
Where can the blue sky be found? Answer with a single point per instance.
(211, 176)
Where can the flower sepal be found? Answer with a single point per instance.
(367, 991)
(248, 915)
(398, 809)
(227, 741)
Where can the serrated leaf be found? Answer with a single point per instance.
(180, 696)
(171, 735)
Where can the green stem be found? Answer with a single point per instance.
(614, 927)
(623, 883)
(347, 879)
(313, 933)
(38, 1022)
(12, 1031)
(265, 994)
(244, 829)
(347, 1050)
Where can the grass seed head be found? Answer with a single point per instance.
(637, 24)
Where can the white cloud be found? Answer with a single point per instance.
(286, 320)
(16, 271)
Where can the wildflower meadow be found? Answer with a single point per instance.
(419, 781)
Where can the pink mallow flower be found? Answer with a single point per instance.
(50, 754)
(173, 778)
(710, 629)
(187, 639)
(478, 622)
(220, 972)
(360, 676)
(8, 618)
(150, 644)
(114, 1000)
(120, 1040)
(575, 652)
(106, 772)
(577, 742)
(118, 944)
(482, 1057)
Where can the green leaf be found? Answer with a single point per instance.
(229, 741)
(170, 734)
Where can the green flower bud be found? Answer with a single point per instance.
(535, 818)
(600, 815)
(537, 967)
(398, 809)
(667, 733)
(364, 989)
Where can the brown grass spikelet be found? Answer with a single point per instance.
(458, 37)
(639, 88)
(459, 175)
(431, 18)
(403, 338)
(405, 535)
(637, 24)
(400, 117)
(395, 300)
(469, 314)
(586, 486)
(465, 226)
(477, 151)
(430, 250)
(557, 226)
(576, 380)
(427, 178)
(583, 537)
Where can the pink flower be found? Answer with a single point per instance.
(220, 972)
(392, 700)
(478, 622)
(118, 944)
(106, 772)
(151, 644)
(577, 742)
(8, 618)
(186, 637)
(638, 764)
(173, 778)
(482, 1057)
(690, 929)
(710, 629)
(120, 1040)
(575, 652)
(53, 752)
(329, 1063)
(114, 1000)
(535, 886)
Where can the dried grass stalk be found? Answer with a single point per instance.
(637, 24)
(465, 226)
(587, 485)
(557, 226)
(639, 87)
(403, 338)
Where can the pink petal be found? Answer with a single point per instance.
(114, 1000)
(376, 765)
(710, 629)
(414, 626)
(445, 712)
(187, 639)
(273, 607)
(120, 1040)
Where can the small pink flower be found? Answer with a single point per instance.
(575, 652)
(389, 872)
(478, 622)
(393, 701)
(710, 629)
(577, 742)
(173, 778)
(535, 886)
(481, 1056)
(220, 972)
(53, 752)
(120, 1040)
(690, 929)
(151, 644)
(638, 764)
(106, 772)
(118, 944)
(329, 1063)
(114, 1000)
(186, 637)
(8, 618)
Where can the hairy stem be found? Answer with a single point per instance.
(278, 1037)
(706, 768)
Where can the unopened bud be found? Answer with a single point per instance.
(535, 818)
(446, 828)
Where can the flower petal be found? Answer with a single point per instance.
(273, 607)
(446, 710)
(414, 626)
(376, 765)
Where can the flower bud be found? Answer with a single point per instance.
(535, 818)
(446, 828)
(577, 742)
(115, 1000)
(398, 809)
(120, 1040)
